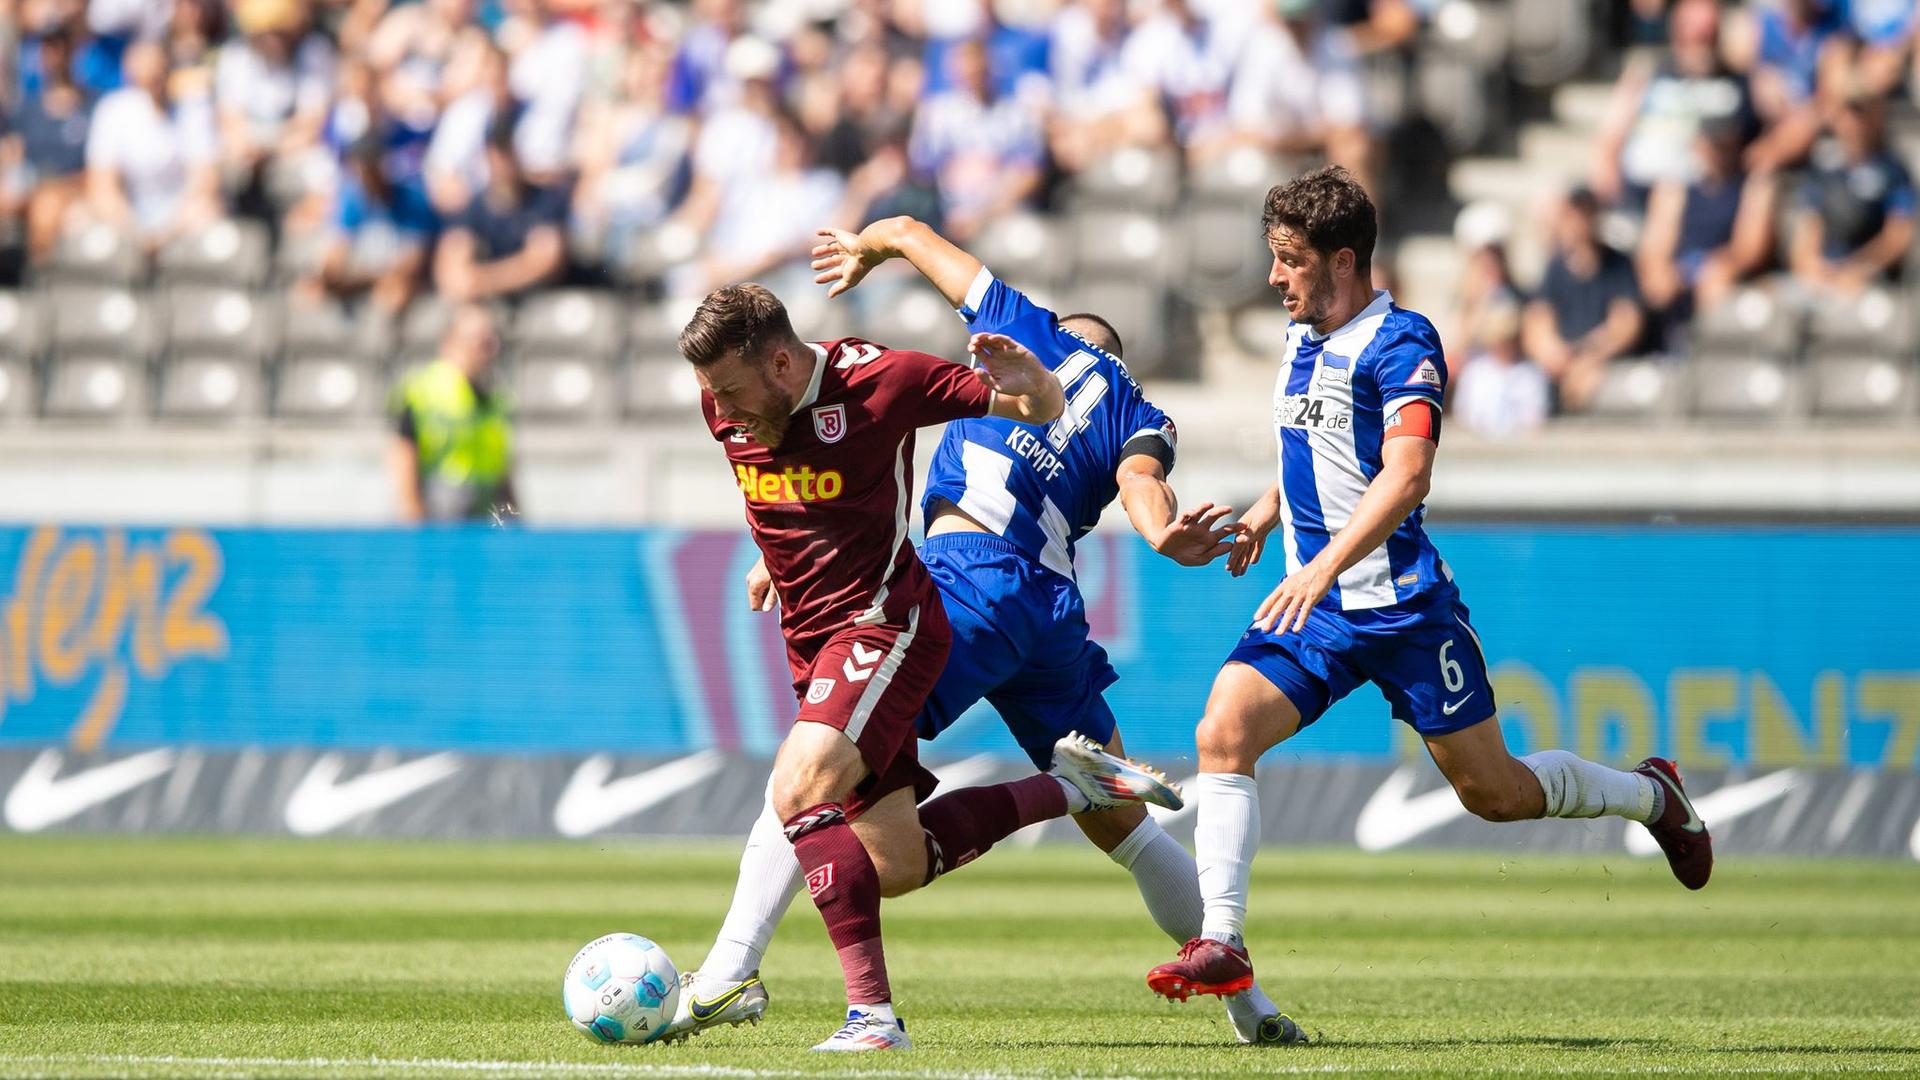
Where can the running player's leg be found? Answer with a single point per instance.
(1271, 686)
(1435, 676)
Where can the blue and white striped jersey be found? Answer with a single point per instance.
(1042, 487)
(1331, 403)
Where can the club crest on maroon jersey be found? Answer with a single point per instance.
(830, 423)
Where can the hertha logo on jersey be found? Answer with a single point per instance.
(830, 423)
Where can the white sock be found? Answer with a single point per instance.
(1226, 832)
(1578, 788)
(1169, 880)
(1077, 801)
(1247, 1008)
(881, 1011)
(769, 880)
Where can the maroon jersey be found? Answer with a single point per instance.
(829, 505)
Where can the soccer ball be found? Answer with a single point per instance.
(621, 988)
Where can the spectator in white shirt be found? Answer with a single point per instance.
(1499, 393)
(633, 158)
(1100, 103)
(456, 164)
(1187, 60)
(984, 153)
(767, 223)
(1297, 91)
(151, 166)
(547, 75)
(272, 87)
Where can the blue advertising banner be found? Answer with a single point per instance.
(1726, 647)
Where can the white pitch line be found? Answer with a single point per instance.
(574, 1068)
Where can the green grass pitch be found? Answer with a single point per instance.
(169, 957)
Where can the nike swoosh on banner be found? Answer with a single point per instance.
(321, 804)
(1724, 805)
(589, 803)
(38, 799)
(1390, 818)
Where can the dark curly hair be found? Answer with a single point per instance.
(1330, 209)
(747, 318)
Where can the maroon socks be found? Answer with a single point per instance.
(846, 888)
(962, 825)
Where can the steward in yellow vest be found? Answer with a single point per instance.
(452, 456)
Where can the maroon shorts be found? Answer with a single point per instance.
(871, 682)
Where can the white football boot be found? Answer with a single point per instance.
(1108, 780)
(867, 1031)
(732, 1004)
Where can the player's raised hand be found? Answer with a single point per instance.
(760, 594)
(1197, 537)
(841, 260)
(1251, 541)
(1006, 365)
(1285, 608)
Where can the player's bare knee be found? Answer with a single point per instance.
(1226, 742)
(1108, 828)
(801, 788)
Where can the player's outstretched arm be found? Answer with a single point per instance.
(841, 260)
(1024, 390)
(1406, 473)
(1194, 538)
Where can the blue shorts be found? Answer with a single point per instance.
(1020, 641)
(1423, 656)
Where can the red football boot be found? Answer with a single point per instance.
(1678, 830)
(1205, 966)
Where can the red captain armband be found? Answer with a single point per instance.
(1420, 418)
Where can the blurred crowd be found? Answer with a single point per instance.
(1746, 149)
(485, 147)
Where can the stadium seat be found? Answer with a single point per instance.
(571, 320)
(1755, 319)
(1246, 172)
(224, 253)
(654, 330)
(1875, 321)
(421, 327)
(1865, 387)
(1026, 250)
(23, 324)
(98, 252)
(1226, 259)
(661, 387)
(918, 318)
(100, 318)
(209, 388)
(1551, 40)
(328, 327)
(561, 386)
(226, 322)
(1637, 389)
(99, 387)
(1138, 244)
(1137, 309)
(1455, 95)
(16, 388)
(1744, 387)
(651, 253)
(815, 318)
(1132, 178)
(322, 387)
(298, 254)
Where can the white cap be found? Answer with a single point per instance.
(1482, 224)
(752, 58)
